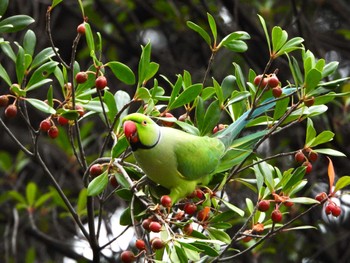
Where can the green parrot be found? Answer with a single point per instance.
(177, 160)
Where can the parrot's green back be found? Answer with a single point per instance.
(180, 161)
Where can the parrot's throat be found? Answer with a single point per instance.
(137, 144)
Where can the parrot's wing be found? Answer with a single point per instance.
(198, 156)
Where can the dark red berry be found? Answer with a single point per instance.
(62, 120)
(288, 203)
(273, 81)
(277, 92)
(218, 127)
(45, 125)
(328, 209)
(127, 256)
(4, 100)
(155, 227)
(168, 123)
(165, 200)
(264, 205)
(299, 157)
(199, 193)
(203, 214)
(146, 222)
(190, 208)
(157, 243)
(140, 244)
(80, 110)
(81, 29)
(309, 102)
(95, 170)
(247, 238)
(321, 196)
(276, 216)
(308, 167)
(336, 211)
(11, 111)
(53, 132)
(313, 156)
(81, 77)
(113, 181)
(188, 229)
(257, 80)
(101, 82)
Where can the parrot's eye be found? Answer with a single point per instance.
(144, 122)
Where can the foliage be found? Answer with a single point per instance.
(71, 101)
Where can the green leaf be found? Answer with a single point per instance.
(342, 182)
(191, 251)
(20, 65)
(98, 184)
(81, 203)
(42, 199)
(122, 98)
(234, 208)
(40, 105)
(329, 68)
(17, 196)
(227, 86)
(119, 147)
(264, 170)
(212, 25)
(219, 235)
(7, 49)
(176, 89)
(296, 177)
(181, 254)
(110, 102)
(200, 31)
(124, 193)
(4, 75)
(279, 38)
(237, 96)
(238, 46)
(31, 191)
(330, 152)
(291, 45)
(125, 217)
(263, 24)
(122, 72)
(218, 91)
(186, 96)
(303, 200)
(55, 2)
(43, 56)
(239, 77)
(242, 35)
(211, 117)
(280, 108)
(17, 22)
(40, 74)
(312, 79)
(29, 42)
(143, 94)
(323, 137)
(207, 250)
(3, 7)
(145, 60)
(188, 128)
(90, 39)
(310, 132)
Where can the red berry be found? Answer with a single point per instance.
(199, 193)
(140, 244)
(53, 132)
(145, 223)
(309, 102)
(264, 82)
(336, 211)
(246, 238)
(308, 167)
(101, 82)
(179, 215)
(168, 123)
(127, 256)
(264, 205)
(95, 170)
(45, 125)
(113, 181)
(155, 227)
(276, 216)
(80, 110)
(81, 29)
(188, 229)
(328, 209)
(165, 200)
(4, 100)
(203, 214)
(273, 81)
(62, 120)
(11, 111)
(313, 156)
(299, 157)
(190, 208)
(257, 80)
(277, 92)
(288, 204)
(81, 77)
(157, 243)
(321, 196)
(218, 127)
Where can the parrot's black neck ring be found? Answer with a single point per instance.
(139, 145)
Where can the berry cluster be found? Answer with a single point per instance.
(270, 81)
(306, 157)
(10, 110)
(330, 207)
(100, 81)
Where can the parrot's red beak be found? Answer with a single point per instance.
(130, 131)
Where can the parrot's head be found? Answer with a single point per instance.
(140, 131)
